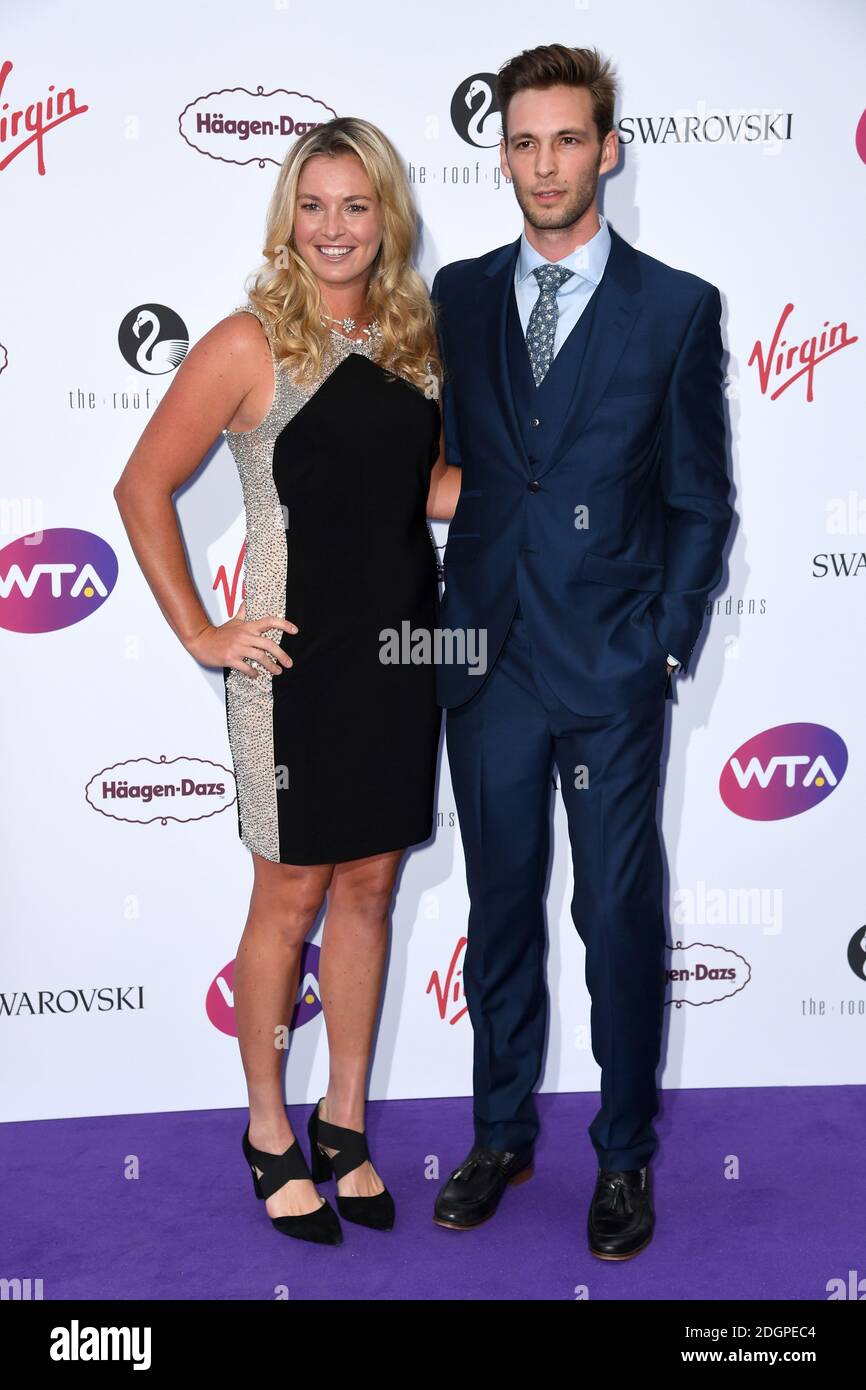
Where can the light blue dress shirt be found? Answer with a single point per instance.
(587, 263)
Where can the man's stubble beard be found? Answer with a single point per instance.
(560, 218)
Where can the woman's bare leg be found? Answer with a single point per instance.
(285, 902)
(350, 980)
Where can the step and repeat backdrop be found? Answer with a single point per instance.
(138, 150)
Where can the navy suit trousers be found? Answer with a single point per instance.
(503, 744)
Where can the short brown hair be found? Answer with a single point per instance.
(554, 65)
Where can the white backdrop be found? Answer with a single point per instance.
(120, 924)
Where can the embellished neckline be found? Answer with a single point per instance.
(370, 335)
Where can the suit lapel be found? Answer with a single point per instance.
(494, 290)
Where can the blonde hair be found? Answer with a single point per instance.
(287, 292)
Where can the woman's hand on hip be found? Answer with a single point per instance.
(234, 642)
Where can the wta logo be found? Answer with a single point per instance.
(220, 1001)
(52, 579)
(783, 771)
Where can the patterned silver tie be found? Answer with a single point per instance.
(541, 329)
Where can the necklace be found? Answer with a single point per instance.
(349, 324)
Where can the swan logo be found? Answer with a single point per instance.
(220, 1000)
(52, 579)
(475, 111)
(783, 771)
(860, 137)
(153, 339)
(857, 953)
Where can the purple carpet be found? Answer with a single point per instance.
(189, 1226)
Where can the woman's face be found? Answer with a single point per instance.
(338, 221)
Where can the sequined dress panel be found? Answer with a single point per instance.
(335, 757)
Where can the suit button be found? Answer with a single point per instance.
(535, 420)
(534, 486)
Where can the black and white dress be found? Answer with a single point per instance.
(335, 758)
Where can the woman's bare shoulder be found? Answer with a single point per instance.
(238, 332)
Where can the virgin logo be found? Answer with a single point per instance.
(449, 996)
(20, 129)
(220, 1000)
(231, 586)
(52, 579)
(783, 771)
(791, 361)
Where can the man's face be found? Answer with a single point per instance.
(553, 155)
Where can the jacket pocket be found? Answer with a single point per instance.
(461, 546)
(623, 574)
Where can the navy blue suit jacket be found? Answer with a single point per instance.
(642, 447)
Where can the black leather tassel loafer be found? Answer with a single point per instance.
(621, 1215)
(474, 1190)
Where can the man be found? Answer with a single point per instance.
(583, 400)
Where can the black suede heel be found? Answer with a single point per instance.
(376, 1212)
(321, 1226)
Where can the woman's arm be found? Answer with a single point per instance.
(208, 391)
(445, 482)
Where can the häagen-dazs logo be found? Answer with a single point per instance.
(701, 973)
(52, 579)
(142, 790)
(242, 127)
(783, 771)
(220, 1000)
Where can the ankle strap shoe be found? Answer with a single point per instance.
(270, 1173)
(378, 1211)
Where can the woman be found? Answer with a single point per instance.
(326, 387)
